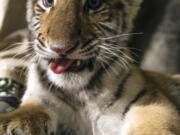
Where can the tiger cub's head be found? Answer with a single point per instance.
(73, 38)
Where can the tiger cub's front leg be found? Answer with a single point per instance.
(152, 120)
(27, 120)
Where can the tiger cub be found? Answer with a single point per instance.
(80, 80)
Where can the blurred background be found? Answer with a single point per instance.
(12, 16)
(158, 48)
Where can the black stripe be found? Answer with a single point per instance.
(100, 10)
(96, 80)
(73, 48)
(107, 19)
(121, 86)
(90, 53)
(87, 49)
(120, 89)
(39, 8)
(41, 43)
(36, 27)
(137, 97)
(35, 24)
(104, 27)
(99, 29)
(5, 123)
(88, 42)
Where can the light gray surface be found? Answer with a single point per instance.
(14, 18)
(164, 53)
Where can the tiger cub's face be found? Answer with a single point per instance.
(72, 38)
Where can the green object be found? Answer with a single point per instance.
(11, 92)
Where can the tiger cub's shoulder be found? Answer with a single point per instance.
(168, 85)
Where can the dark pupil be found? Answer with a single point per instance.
(94, 4)
(50, 1)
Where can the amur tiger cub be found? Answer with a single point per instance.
(80, 78)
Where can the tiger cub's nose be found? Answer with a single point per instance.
(63, 50)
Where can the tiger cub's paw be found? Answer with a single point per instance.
(25, 122)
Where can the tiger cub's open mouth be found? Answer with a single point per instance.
(59, 66)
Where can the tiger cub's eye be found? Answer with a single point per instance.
(94, 4)
(48, 3)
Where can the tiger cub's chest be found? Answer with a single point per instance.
(104, 123)
(108, 125)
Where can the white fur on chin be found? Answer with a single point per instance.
(73, 81)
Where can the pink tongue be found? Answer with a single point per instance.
(59, 68)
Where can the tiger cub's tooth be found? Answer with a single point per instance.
(78, 63)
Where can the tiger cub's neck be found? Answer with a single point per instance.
(105, 92)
